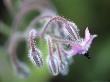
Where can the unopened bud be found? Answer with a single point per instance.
(53, 65)
(36, 57)
(63, 68)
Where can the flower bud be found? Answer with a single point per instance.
(63, 68)
(53, 66)
(36, 57)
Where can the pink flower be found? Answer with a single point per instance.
(87, 40)
(82, 45)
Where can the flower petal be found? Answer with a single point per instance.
(87, 35)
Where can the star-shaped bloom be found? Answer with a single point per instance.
(82, 45)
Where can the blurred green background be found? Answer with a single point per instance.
(92, 13)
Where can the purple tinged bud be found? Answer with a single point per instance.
(52, 61)
(53, 66)
(63, 68)
(72, 31)
(36, 57)
(63, 65)
(34, 54)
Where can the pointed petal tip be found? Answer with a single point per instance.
(87, 30)
(87, 34)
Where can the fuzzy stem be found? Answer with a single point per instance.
(61, 40)
(12, 46)
(61, 19)
(59, 52)
(35, 21)
(50, 47)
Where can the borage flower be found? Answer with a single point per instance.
(81, 46)
(68, 34)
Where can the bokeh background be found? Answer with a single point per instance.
(92, 13)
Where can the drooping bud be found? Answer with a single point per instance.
(63, 68)
(34, 54)
(52, 61)
(53, 66)
(36, 57)
(63, 64)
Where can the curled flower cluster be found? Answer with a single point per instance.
(63, 43)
